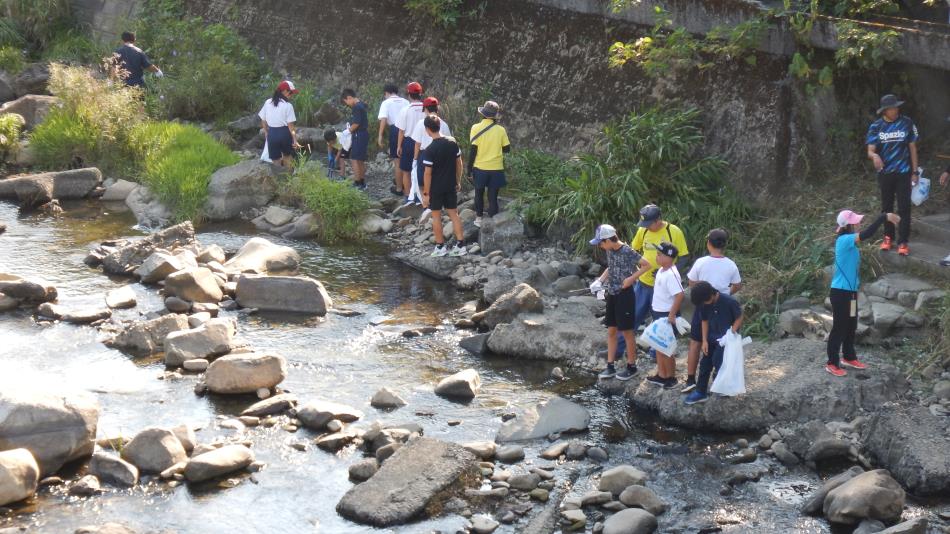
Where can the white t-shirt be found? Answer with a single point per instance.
(391, 108)
(409, 116)
(421, 136)
(667, 285)
(276, 116)
(719, 272)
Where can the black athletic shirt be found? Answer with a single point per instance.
(133, 60)
(360, 116)
(441, 156)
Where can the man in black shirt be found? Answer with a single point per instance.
(359, 146)
(443, 179)
(134, 62)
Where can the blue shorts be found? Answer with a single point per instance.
(393, 141)
(408, 153)
(279, 142)
(360, 145)
(696, 327)
(489, 179)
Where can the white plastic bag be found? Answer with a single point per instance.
(265, 155)
(345, 137)
(921, 191)
(730, 377)
(659, 335)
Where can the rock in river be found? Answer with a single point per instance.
(113, 470)
(462, 385)
(218, 462)
(385, 398)
(234, 189)
(120, 298)
(127, 258)
(154, 450)
(34, 291)
(213, 338)
(271, 406)
(556, 415)
(620, 478)
(148, 337)
(19, 475)
(196, 284)
(871, 495)
(77, 316)
(55, 427)
(32, 190)
(421, 472)
(259, 255)
(630, 521)
(245, 373)
(520, 299)
(296, 294)
(316, 414)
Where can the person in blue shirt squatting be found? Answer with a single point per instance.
(892, 147)
(720, 313)
(844, 289)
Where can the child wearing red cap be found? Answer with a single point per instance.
(405, 146)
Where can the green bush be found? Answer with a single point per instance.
(177, 162)
(208, 89)
(11, 59)
(536, 179)
(10, 127)
(72, 46)
(337, 206)
(33, 22)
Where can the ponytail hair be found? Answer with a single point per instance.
(278, 96)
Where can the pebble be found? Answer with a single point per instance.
(545, 475)
(540, 494)
(263, 393)
(300, 446)
(597, 454)
(334, 425)
(510, 454)
(249, 420)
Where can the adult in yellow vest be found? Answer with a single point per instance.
(486, 160)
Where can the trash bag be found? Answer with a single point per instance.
(265, 155)
(921, 191)
(730, 377)
(659, 335)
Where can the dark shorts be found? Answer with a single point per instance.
(490, 179)
(664, 315)
(620, 310)
(393, 141)
(360, 146)
(279, 142)
(344, 154)
(408, 154)
(696, 327)
(447, 200)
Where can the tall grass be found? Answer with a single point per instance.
(33, 22)
(10, 126)
(75, 47)
(12, 59)
(337, 206)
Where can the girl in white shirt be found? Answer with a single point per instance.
(277, 120)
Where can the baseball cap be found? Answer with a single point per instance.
(604, 231)
(668, 249)
(490, 109)
(430, 101)
(718, 237)
(649, 214)
(847, 217)
(287, 85)
(414, 87)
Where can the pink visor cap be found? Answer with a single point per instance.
(847, 217)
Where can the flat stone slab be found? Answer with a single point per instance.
(785, 382)
(408, 482)
(553, 416)
(438, 268)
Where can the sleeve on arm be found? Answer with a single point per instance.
(504, 138)
(291, 116)
(145, 62)
(383, 109)
(637, 243)
(680, 241)
(914, 134)
(261, 113)
(736, 277)
(693, 273)
(872, 134)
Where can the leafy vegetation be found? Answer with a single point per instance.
(10, 126)
(73, 46)
(337, 206)
(11, 59)
(445, 12)
(32, 23)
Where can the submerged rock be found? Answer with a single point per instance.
(554, 416)
(19, 476)
(316, 414)
(296, 294)
(259, 255)
(154, 450)
(218, 462)
(32, 291)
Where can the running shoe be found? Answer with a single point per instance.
(478, 222)
(946, 261)
(854, 364)
(629, 372)
(609, 372)
(696, 397)
(835, 370)
(397, 192)
(690, 385)
(656, 380)
(670, 383)
(887, 243)
(458, 250)
(409, 202)
(904, 249)
(425, 215)
(440, 250)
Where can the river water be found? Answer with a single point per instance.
(340, 359)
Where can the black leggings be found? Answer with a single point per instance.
(844, 327)
(896, 184)
(492, 200)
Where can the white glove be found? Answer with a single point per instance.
(159, 74)
(596, 286)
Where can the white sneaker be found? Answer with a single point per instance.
(440, 250)
(478, 222)
(425, 215)
(459, 250)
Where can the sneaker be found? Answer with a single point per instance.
(609, 372)
(656, 380)
(425, 215)
(397, 192)
(478, 222)
(690, 384)
(670, 383)
(946, 261)
(835, 370)
(629, 372)
(439, 251)
(854, 364)
(887, 243)
(696, 397)
(458, 250)
(904, 249)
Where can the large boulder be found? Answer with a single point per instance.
(816, 501)
(520, 299)
(148, 209)
(245, 373)
(261, 256)
(32, 190)
(905, 439)
(157, 267)
(196, 284)
(19, 475)
(554, 416)
(218, 462)
(32, 80)
(297, 294)
(619, 478)
(630, 521)
(148, 337)
(569, 333)
(234, 189)
(56, 428)
(33, 108)
(870, 495)
(113, 470)
(213, 338)
(416, 478)
(31, 291)
(504, 232)
(316, 414)
(462, 385)
(127, 258)
(154, 450)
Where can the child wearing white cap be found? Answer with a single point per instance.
(844, 289)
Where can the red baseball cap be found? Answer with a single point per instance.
(430, 101)
(288, 85)
(414, 87)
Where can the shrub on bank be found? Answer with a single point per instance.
(75, 47)
(10, 126)
(11, 59)
(337, 206)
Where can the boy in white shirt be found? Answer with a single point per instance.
(721, 273)
(389, 111)
(667, 298)
(422, 140)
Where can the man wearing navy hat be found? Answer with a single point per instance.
(892, 148)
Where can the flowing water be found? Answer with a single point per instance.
(335, 358)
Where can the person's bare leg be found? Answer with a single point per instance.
(456, 224)
(692, 359)
(631, 340)
(670, 367)
(437, 227)
(359, 173)
(611, 343)
(397, 175)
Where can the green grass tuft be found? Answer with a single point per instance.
(338, 207)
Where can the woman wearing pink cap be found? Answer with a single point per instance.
(844, 289)
(277, 120)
